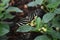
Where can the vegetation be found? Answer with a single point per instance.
(48, 25)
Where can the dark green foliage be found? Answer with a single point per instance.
(4, 14)
(45, 25)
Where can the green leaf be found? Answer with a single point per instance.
(52, 1)
(38, 23)
(1, 15)
(56, 22)
(13, 9)
(5, 1)
(32, 4)
(39, 2)
(2, 4)
(24, 28)
(1, 9)
(4, 37)
(57, 11)
(48, 17)
(53, 33)
(8, 16)
(6, 6)
(42, 37)
(53, 5)
(35, 3)
(4, 28)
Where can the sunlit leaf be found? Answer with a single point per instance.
(38, 23)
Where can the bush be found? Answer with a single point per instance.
(48, 25)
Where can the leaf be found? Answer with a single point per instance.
(42, 37)
(13, 9)
(1, 15)
(4, 28)
(2, 4)
(4, 37)
(53, 33)
(57, 11)
(48, 17)
(53, 5)
(32, 4)
(5, 1)
(8, 16)
(24, 28)
(38, 23)
(35, 3)
(1, 9)
(39, 2)
(6, 6)
(56, 22)
(52, 1)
